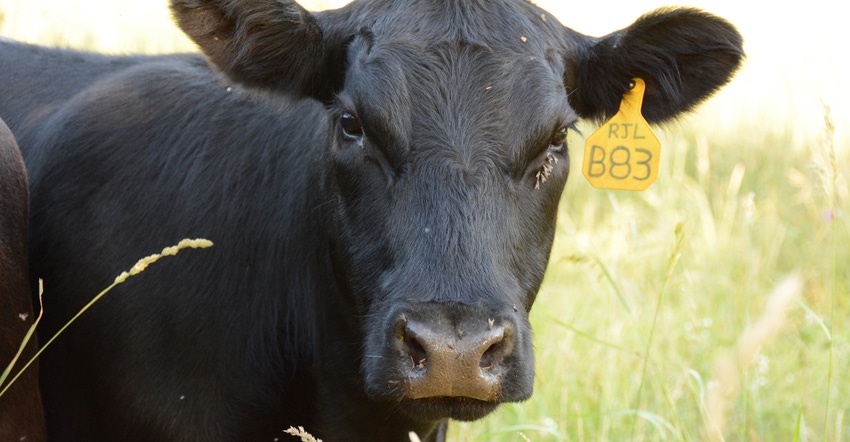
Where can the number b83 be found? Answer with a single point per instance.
(621, 167)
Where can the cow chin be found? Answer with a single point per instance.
(438, 408)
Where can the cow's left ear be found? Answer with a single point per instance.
(683, 55)
(267, 44)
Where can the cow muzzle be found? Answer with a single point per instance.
(451, 360)
(454, 361)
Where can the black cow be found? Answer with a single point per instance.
(21, 414)
(368, 177)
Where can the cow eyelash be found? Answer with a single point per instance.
(557, 147)
(545, 170)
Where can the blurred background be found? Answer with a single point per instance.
(713, 306)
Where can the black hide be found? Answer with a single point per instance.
(21, 413)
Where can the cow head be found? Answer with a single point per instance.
(447, 160)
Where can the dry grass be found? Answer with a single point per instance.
(302, 433)
(729, 369)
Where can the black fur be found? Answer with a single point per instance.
(368, 177)
(21, 412)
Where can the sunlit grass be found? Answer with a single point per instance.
(758, 183)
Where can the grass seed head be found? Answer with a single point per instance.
(143, 263)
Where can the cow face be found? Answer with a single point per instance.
(447, 160)
(444, 222)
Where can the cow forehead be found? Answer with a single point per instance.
(456, 94)
(516, 25)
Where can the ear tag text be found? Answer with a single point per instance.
(624, 153)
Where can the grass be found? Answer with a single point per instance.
(666, 314)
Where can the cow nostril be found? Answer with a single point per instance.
(417, 352)
(490, 357)
(496, 347)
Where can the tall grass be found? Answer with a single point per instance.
(829, 182)
(666, 314)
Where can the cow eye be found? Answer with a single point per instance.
(559, 138)
(351, 125)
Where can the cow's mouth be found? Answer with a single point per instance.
(437, 408)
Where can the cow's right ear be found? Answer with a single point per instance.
(267, 44)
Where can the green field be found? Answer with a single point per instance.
(713, 306)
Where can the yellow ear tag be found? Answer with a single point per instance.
(623, 154)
